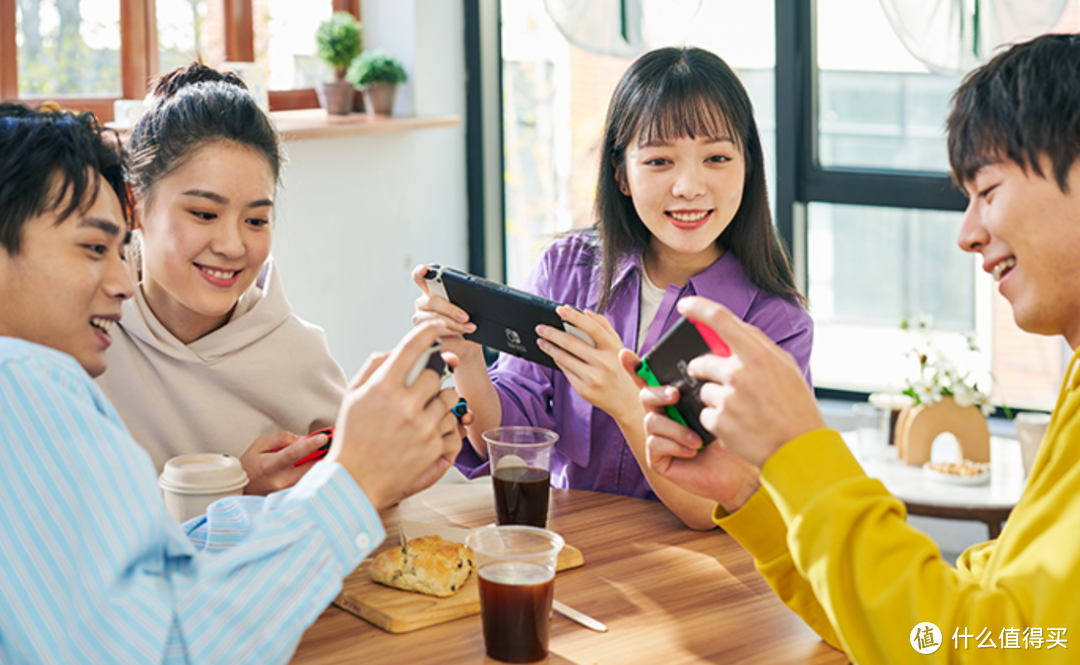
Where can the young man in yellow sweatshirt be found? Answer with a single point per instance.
(833, 543)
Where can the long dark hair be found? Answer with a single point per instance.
(194, 106)
(672, 93)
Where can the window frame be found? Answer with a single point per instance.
(139, 54)
(800, 178)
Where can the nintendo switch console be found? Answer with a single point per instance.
(505, 318)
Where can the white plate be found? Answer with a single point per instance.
(980, 478)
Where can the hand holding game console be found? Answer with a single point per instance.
(593, 369)
(394, 438)
(430, 359)
(270, 462)
(434, 306)
(491, 313)
(757, 400)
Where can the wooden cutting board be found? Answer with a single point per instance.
(397, 611)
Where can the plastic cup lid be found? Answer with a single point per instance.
(203, 474)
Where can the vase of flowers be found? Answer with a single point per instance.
(945, 399)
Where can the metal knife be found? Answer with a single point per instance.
(583, 619)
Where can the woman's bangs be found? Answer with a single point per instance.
(674, 116)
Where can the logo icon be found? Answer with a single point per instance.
(925, 638)
(513, 339)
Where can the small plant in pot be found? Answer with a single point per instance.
(378, 74)
(338, 42)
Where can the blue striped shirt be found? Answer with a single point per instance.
(94, 570)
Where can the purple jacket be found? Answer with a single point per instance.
(591, 453)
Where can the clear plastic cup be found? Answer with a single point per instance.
(516, 570)
(521, 473)
(872, 425)
(1030, 430)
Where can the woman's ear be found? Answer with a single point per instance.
(620, 176)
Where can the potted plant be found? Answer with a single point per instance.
(338, 43)
(378, 74)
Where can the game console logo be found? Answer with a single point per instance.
(513, 339)
(684, 372)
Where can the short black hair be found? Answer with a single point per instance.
(47, 157)
(1021, 105)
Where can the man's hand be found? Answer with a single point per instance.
(715, 473)
(757, 400)
(394, 439)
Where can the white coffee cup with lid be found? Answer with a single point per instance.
(190, 483)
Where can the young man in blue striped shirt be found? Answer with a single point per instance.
(92, 567)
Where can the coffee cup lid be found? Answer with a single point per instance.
(203, 474)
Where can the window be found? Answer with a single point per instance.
(189, 29)
(873, 260)
(89, 53)
(853, 126)
(289, 52)
(556, 95)
(68, 48)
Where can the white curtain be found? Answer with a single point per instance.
(954, 36)
(623, 28)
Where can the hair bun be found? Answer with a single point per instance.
(170, 83)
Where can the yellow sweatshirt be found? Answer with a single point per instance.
(836, 548)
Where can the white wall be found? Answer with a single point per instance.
(356, 214)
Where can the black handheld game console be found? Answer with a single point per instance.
(505, 318)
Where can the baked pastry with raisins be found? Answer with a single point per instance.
(428, 565)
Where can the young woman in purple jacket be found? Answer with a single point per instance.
(681, 210)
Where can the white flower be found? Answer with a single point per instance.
(927, 392)
(963, 395)
(987, 408)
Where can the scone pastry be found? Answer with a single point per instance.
(428, 565)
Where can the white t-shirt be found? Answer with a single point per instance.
(651, 297)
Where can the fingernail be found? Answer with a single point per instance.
(470, 327)
(670, 392)
(461, 316)
(540, 329)
(542, 343)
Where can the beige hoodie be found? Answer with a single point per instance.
(264, 371)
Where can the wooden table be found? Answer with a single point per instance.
(668, 595)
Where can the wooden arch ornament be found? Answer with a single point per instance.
(919, 425)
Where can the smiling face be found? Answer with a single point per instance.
(64, 287)
(205, 236)
(1028, 233)
(686, 192)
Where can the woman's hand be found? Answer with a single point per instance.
(471, 374)
(429, 307)
(268, 461)
(595, 373)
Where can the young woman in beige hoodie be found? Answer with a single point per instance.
(208, 356)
